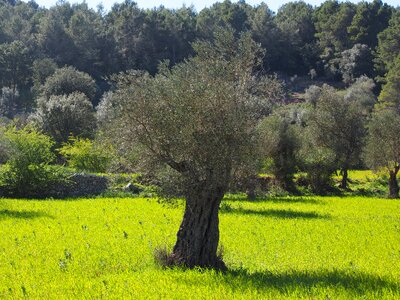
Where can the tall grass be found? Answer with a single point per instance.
(320, 248)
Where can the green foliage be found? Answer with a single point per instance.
(52, 37)
(331, 21)
(390, 94)
(27, 171)
(42, 69)
(64, 115)
(362, 92)
(338, 124)
(369, 20)
(275, 248)
(14, 64)
(389, 44)
(68, 80)
(8, 100)
(356, 62)
(195, 118)
(298, 39)
(294, 20)
(279, 141)
(225, 14)
(382, 150)
(265, 31)
(318, 162)
(86, 155)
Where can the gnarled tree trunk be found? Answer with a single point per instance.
(345, 178)
(393, 184)
(198, 235)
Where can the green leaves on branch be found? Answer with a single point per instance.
(27, 171)
(86, 155)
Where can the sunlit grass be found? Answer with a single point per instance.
(361, 175)
(313, 247)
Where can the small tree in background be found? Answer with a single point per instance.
(319, 164)
(107, 111)
(362, 92)
(317, 161)
(383, 146)
(338, 123)
(27, 171)
(312, 95)
(68, 80)
(356, 62)
(65, 115)
(279, 142)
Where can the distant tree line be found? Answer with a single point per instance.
(335, 41)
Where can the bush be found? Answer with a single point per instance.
(279, 141)
(68, 80)
(318, 162)
(85, 155)
(27, 171)
(65, 115)
(319, 166)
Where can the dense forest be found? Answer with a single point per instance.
(335, 42)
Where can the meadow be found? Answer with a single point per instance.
(288, 247)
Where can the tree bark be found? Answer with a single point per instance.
(345, 177)
(251, 188)
(198, 235)
(393, 184)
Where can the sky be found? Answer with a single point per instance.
(198, 4)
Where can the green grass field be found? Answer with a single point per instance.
(313, 248)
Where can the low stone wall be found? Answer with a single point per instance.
(79, 185)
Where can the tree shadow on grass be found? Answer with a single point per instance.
(276, 213)
(354, 282)
(6, 213)
(294, 200)
(290, 199)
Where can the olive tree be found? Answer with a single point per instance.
(362, 92)
(279, 142)
(197, 119)
(338, 123)
(355, 62)
(317, 161)
(61, 116)
(383, 146)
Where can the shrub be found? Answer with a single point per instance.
(27, 171)
(68, 80)
(318, 162)
(65, 115)
(85, 155)
(319, 167)
(279, 141)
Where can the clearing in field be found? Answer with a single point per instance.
(320, 248)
